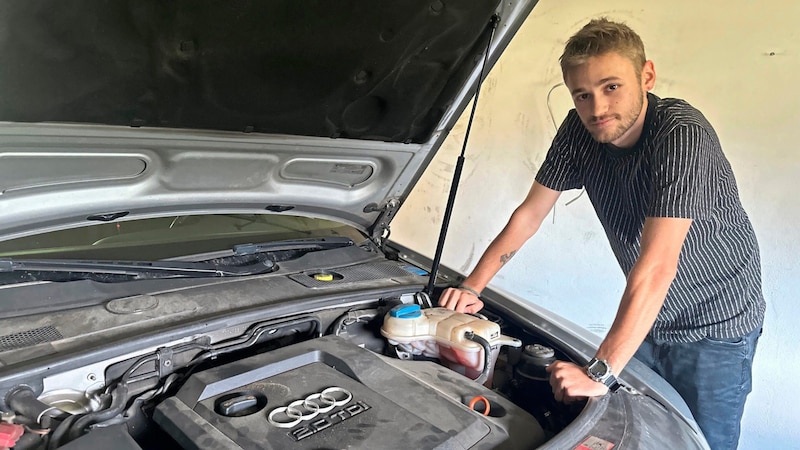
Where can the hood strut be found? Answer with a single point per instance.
(459, 166)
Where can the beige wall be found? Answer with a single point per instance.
(736, 61)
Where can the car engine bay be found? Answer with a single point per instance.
(304, 381)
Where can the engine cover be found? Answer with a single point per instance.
(337, 392)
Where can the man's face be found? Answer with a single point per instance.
(609, 97)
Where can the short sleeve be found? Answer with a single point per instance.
(559, 170)
(682, 173)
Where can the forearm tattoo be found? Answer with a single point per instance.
(507, 257)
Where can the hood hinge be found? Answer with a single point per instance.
(380, 228)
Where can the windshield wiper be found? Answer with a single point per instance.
(312, 244)
(109, 271)
(242, 260)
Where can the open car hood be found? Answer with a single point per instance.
(112, 110)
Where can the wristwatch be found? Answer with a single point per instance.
(599, 370)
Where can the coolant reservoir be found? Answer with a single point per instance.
(440, 333)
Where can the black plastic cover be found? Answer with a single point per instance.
(115, 437)
(388, 407)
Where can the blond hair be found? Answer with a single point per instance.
(601, 36)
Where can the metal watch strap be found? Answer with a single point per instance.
(612, 383)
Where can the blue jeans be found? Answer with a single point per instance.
(712, 375)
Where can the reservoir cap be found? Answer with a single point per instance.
(406, 312)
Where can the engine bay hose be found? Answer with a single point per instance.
(487, 356)
(22, 400)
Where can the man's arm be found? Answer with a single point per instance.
(523, 224)
(646, 289)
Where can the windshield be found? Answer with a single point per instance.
(171, 237)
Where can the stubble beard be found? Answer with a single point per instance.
(626, 121)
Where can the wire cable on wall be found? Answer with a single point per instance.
(555, 127)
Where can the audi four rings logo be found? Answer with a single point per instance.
(316, 412)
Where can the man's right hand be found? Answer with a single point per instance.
(460, 300)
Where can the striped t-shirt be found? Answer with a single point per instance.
(676, 169)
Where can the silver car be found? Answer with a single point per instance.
(195, 244)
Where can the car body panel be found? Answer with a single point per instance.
(260, 129)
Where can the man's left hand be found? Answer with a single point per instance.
(571, 383)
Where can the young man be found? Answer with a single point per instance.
(654, 171)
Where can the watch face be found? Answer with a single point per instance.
(598, 369)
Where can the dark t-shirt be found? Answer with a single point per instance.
(676, 169)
